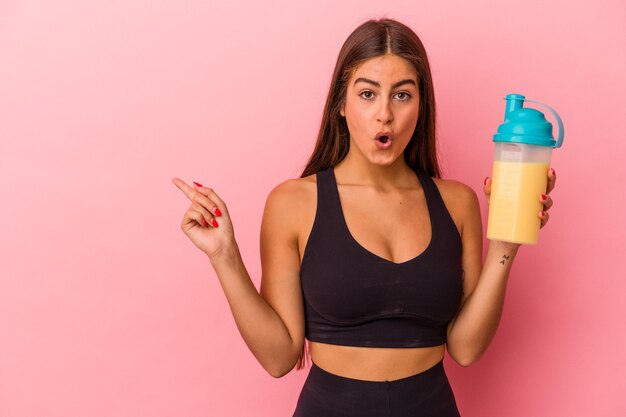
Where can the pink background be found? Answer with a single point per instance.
(107, 309)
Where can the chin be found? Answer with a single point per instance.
(384, 161)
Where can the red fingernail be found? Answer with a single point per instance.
(485, 182)
(543, 213)
(544, 197)
(205, 223)
(217, 212)
(214, 223)
(198, 184)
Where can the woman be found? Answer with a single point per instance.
(370, 255)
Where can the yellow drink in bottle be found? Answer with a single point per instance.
(514, 202)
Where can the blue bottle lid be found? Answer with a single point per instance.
(526, 125)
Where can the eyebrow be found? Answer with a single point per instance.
(398, 84)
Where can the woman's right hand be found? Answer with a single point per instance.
(198, 220)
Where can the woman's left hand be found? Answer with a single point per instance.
(547, 202)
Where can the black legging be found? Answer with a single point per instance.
(426, 394)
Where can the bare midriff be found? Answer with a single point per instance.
(374, 364)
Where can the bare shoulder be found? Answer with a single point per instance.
(292, 199)
(292, 205)
(295, 187)
(455, 191)
(459, 198)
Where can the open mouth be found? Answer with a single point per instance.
(383, 141)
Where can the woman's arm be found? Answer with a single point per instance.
(474, 326)
(261, 327)
(271, 321)
(472, 329)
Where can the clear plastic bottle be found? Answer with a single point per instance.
(523, 151)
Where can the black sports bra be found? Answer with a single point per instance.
(356, 298)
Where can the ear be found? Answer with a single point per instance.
(342, 111)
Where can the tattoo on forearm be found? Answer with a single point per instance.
(504, 259)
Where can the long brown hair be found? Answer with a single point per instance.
(374, 38)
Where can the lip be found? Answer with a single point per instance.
(384, 133)
(385, 145)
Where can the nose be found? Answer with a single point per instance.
(385, 115)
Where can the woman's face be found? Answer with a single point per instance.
(382, 95)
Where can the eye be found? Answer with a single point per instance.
(405, 94)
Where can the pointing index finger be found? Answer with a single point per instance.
(189, 191)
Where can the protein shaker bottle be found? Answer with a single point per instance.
(523, 150)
